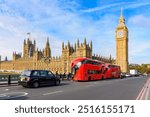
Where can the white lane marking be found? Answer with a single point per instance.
(89, 85)
(95, 82)
(145, 91)
(2, 95)
(142, 92)
(6, 89)
(19, 95)
(52, 93)
(148, 90)
(10, 87)
(8, 95)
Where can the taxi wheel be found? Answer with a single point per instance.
(36, 84)
(57, 82)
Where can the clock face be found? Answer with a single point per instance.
(120, 33)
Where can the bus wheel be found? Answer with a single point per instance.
(89, 78)
(102, 77)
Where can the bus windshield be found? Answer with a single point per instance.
(77, 66)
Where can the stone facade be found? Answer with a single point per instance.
(32, 58)
(122, 45)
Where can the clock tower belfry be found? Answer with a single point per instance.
(122, 44)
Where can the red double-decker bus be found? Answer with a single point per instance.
(111, 71)
(85, 69)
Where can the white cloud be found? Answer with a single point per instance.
(59, 24)
(52, 19)
(125, 5)
(13, 32)
(137, 4)
(102, 7)
(139, 40)
(140, 21)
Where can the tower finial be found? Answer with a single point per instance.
(78, 43)
(29, 35)
(121, 20)
(47, 42)
(85, 41)
(63, 45)
(121, 12)
(91, 44)
(68, 44)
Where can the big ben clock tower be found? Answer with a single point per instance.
(122, 44)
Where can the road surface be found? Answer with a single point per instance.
(113, 89)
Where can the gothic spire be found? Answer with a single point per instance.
(34, 42)
(47, 49)
(62, 45)
(121, 12)
(68, 44)
(75, 46)
(91, 44)
(85, 41)
(121, 19)
(110, 58)
(24, 41)
(47, 43)
(78, 43)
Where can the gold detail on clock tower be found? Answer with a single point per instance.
(122, 44)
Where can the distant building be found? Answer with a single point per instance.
(148, 66)
(32, 58)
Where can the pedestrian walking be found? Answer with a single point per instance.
(67, 76)
(56, 73)
(64, 76)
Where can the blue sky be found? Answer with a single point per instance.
(63, 20)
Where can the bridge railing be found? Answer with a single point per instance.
(9, 79)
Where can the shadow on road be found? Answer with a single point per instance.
(5, 85)
(46, 86)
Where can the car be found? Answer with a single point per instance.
(123, 75)
(37, 78)
(128, 75)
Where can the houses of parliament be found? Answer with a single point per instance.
(32, 58)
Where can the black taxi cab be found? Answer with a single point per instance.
(37, 78)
